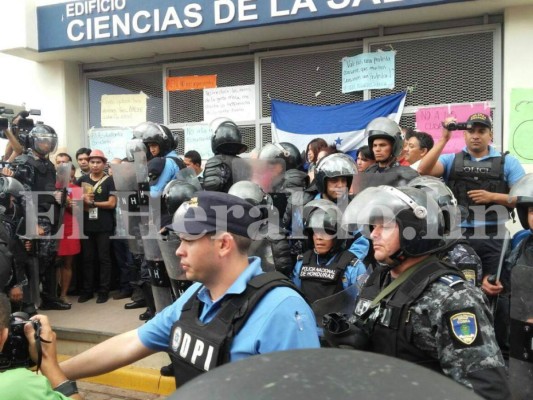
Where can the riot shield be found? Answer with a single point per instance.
(125, 178)
(62, 181)
(342, 302)
(322, 374)
(188, 175)
(141, 171)
(159, 279)
(178, 280)
(521, 361)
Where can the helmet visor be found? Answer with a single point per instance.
(45, 143)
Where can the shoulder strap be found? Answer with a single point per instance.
(457, 165)
(256, 289)
(346, 258)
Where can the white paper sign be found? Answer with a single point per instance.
(198, 137)
(123, 109)
(234, 102)
(112, 141)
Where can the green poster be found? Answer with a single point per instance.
(521, 125)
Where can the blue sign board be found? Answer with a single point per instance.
(97, 22)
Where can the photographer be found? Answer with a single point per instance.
(480, 177)
(21, 383)
(14, 147)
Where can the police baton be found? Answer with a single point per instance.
(496, 277)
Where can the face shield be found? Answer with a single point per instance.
(45, 143)
(383, 204)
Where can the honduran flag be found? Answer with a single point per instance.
(342, 124)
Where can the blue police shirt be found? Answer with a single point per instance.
(512, 170)
(169, 173)
(282, 320)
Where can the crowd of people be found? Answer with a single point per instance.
(401, 250)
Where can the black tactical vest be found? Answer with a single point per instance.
(467, 174)
(196, 347)
(391, 327)
(395, 175)
(319, 281)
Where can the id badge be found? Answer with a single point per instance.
(93, 213)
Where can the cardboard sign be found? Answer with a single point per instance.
(123, 109)
(429, 120)
(368, 71)
(193, 82)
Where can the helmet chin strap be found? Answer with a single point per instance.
(397, 258)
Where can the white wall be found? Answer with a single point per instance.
(518, 60)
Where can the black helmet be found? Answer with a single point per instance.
(333, 166)
(444, 197)
(176, 193)
(523, 192)
(43, 139)
(227, 138)
(155, 133)
(322, 215)
(287, 152)
(10, 187)
(385, 128)
(134, 145)
(419, 218)
(251, 192)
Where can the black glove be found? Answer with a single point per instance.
(339, 332)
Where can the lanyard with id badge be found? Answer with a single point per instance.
(89, 189)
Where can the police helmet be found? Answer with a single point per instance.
(322, 215)
(156, 133)
(443, 196)
(226, 137)
(43, 139)
(385, 128)
(419, 218)
(134, 145)
(523, 192)
(176, 193)
(10, 187)
(287, 152)
(333, 166)
(251, 192)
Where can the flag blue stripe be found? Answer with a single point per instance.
(316, 120)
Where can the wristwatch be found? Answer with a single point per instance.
(67, 388)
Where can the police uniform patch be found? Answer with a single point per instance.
(464, 328)
(470, 276)
(176, 339)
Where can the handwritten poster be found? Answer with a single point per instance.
(429, 120)
(123, 109)
(521, 125)
(234, 102)
(368, 71)
(198, 137)
(112, 141)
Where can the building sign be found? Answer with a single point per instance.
(96, 22)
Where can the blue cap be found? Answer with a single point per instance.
(210, 212)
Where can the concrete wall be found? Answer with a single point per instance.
(53, 87)
(518, 60)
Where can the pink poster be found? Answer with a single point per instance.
(429, 120)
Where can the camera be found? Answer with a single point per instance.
(457, 126)
(15, 353)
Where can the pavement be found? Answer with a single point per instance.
(87, 324)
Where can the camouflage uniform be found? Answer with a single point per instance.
(464, 257)
(446, 325)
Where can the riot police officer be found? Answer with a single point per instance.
(286, 166)
(458, 252)
(413, 306)
(269, 244)
(35, 171)
(226, 144)
(386, 144)
(328, 267)
(519, 264)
